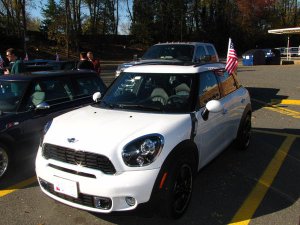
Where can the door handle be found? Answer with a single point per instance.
(243, 100)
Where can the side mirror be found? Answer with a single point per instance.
(96, 96)
(213, 106)
(43, 105)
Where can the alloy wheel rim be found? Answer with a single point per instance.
(3, 162)
(183, 188)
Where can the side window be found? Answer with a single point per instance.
(50, 91)
(211, 50)
(212, 53)
(88, 85)
(200, 52)
(228, 83)
(208, 88)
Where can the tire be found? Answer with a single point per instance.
(5, 161)
(244, 134)
(176, 193)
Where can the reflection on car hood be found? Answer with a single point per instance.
(112, 128)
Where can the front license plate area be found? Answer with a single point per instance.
(67, 187)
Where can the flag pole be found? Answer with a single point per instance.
(229, 42)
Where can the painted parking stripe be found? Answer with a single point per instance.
(248, 208)
(278, 109)
(285, 101)
(17, 186)
(275, 133)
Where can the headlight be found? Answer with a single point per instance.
(46, 128)
(143, 151)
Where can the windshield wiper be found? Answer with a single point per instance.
(139, 106)
(109, 105)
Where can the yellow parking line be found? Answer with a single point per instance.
(248, 208)
(276, 133)
(18, 186)
(278, 109)
(285, 101)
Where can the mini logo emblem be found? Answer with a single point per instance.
(72, 140)
(79, 158)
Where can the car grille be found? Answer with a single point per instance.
(85, 159)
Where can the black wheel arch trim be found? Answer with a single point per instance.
(186, 145)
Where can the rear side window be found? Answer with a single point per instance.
(212, 53)
(200, 52)
(228, 83)
(208, 88)
(88, 85)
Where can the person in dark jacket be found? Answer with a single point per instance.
(16, 65)
(84, 63)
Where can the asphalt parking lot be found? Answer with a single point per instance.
(259, 186)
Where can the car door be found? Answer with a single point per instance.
(233, 99)
(48, 90)
(210, 133)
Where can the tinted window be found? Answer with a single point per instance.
(210, 50)
(88, 85)
(228, 83)
(200, 52)
(169, 52)
(208, 88)
(52, 91)
(11, 93)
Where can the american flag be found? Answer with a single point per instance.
(232, 59)
(1, 63)
(26, 57)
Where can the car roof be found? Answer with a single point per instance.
(41, 74)
(175, 69)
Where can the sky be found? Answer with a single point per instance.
(35, 11)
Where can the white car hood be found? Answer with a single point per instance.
(106, 131)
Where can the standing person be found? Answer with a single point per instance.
(96, 62)
(84, 63)
(15, 65)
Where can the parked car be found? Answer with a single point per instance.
(27, 102)
(174, 53)
(155, 127)
(272, 56)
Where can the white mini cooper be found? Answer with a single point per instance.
(145, 139)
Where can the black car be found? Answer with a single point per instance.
(27, 102)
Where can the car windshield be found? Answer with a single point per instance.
(170, 52)
(11, 93)
(150, 92)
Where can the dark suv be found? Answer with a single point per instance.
(27, 102)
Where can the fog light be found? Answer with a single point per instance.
(102, 203)
(130, 201)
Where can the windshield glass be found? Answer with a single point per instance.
(170, 52)
(11, 93)
(150, 92)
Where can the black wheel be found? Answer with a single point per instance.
(177, 190)
(244, 134)
(4, 161)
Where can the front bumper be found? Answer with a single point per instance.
(93, 184)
